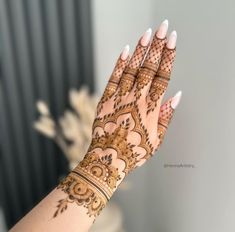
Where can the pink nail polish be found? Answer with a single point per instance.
(146, 37)
(162, 30)
(171, 43)
(176, 100)
(125, 52)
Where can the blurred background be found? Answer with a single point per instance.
(49, 47)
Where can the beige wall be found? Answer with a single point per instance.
(202, 133)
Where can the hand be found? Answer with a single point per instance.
(130, 124)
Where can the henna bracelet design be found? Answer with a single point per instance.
(91, 184)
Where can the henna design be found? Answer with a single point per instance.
(165, 116)
(126, 84)
(150, 65)
(161, 80)
(90, 184)
(130, 73)
(112, 84)
(80, 192)
(118, 139)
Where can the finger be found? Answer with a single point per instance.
(160, 81)
(131, 70)
(166, 114)
(151, 63)
(114, 80)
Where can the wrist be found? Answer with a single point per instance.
(92, 183)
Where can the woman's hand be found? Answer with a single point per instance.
(130, 124)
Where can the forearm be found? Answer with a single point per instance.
(72, 206)
(42, 217)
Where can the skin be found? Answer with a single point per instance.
(75, 218)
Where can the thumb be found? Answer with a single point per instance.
(166, 114)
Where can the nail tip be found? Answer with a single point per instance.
(166, 22)
(176, 99)
(174, 33)
(149, 30)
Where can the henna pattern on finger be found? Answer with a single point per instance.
(130, 73)
(150, 65)
(165, 117)
(112, 85)
(161, 80)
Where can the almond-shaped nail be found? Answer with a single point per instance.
(125, 52)
(146, 37)
(176, 100)
(171, 43)
(162, 30)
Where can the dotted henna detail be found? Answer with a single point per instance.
(161, 80)
(165, 116)
(130, 73)
(82, 194)
(91, 184)
(155, 52)
(113, 83)
(118, 139)
(126, 84)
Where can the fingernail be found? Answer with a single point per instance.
(162, 30)
(171, 43)
(146, 37)
(176, 100)
(125, 52)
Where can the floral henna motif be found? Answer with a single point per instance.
(118, 139)
(80, 192)
(90, 184)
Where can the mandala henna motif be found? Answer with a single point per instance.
(81, 193)
(90, 184)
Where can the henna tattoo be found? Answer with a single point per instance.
(130, 73)
(122, 134)
(161, 80)
(150, 65)
(126, 84)
(157, 89)
(165, 116)
(113, 83)
(90, 184)
(146, 75)
(118, 139)
(82, 193)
